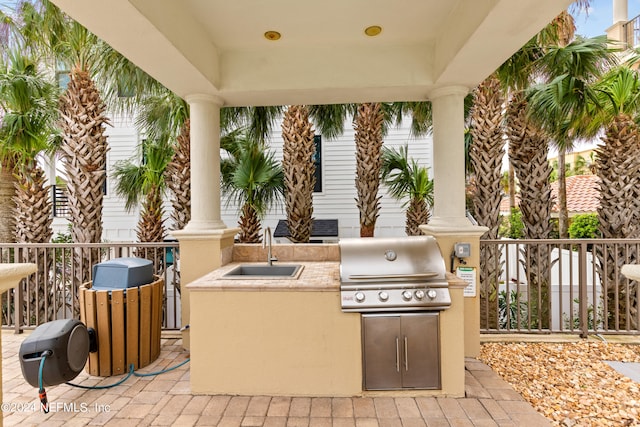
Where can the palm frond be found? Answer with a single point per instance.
(584, 58)
(162, 116)
(329, 119)
(29, 102)
(421, 116)
(135, 180)
(250, 174)
(405, 177)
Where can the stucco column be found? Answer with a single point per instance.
(449, 224)
(205, 163)
(205, 243)
(620, 12)
(448, 156)
(620, 17)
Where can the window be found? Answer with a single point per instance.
(317, 159)
(62, 75)
(63, 78)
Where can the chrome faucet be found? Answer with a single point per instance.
(269, 237)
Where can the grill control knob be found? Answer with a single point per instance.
(359, 296)
(419, 294)
(432, 294)
(407, 295)
(383, 296)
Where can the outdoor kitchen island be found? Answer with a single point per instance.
(289, 337)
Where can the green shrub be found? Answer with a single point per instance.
(512, 226)
(584, 226)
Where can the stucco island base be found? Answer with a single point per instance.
(290, 337)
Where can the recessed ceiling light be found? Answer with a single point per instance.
(373, 30)
(272, 35)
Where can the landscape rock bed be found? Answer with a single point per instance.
(570, 383)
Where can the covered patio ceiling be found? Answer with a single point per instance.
(218, 47)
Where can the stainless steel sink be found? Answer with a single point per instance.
(253, 271)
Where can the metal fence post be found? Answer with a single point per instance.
(582, 290)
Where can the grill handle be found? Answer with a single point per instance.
(406, 353)
(397, 354)
(426, 275)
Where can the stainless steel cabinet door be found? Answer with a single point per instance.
(401, 351)
(421, 351)
(381, 342)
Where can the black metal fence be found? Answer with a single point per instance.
(52, 291)
(533, 286)
(551, 286)
(631, 32)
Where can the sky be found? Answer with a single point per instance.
(600, 17)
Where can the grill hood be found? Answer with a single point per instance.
(365, 260)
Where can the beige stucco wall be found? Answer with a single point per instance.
(274, 343)
(200, 253)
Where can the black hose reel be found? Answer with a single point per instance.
(65, 344)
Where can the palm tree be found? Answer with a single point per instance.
(163, 116)
(9, 41)
(560, 104)
(406, 178)
(528, 149)
(84, 152)
(253, 179)
(28, 102)
(82, 121)
(299, 171)
(618, 169)
(146, 180)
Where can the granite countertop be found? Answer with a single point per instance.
(315, 276)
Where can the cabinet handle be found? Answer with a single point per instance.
(397, 354)
(406, 353)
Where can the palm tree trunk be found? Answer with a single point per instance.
(7, 205)
(528, 149)
(178, 177)
(618, 163)
(486, 153)
(151, 224)
(84, 155)
(512, 187)
(368, 137)
(417, 214)
(299, 171)
(249, 225)
(33, 219)
(563, 213)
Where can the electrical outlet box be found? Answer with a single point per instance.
(463, 250)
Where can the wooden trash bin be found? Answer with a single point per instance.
(127, 323)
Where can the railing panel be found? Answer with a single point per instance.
(564, 286)
(51, 293)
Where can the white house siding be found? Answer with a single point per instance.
(337, 200)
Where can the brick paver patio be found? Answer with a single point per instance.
(165, 400)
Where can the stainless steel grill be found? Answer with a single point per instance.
(392, 274)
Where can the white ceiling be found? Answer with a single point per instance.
(218, 47)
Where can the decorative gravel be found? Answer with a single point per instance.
(570, 383)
